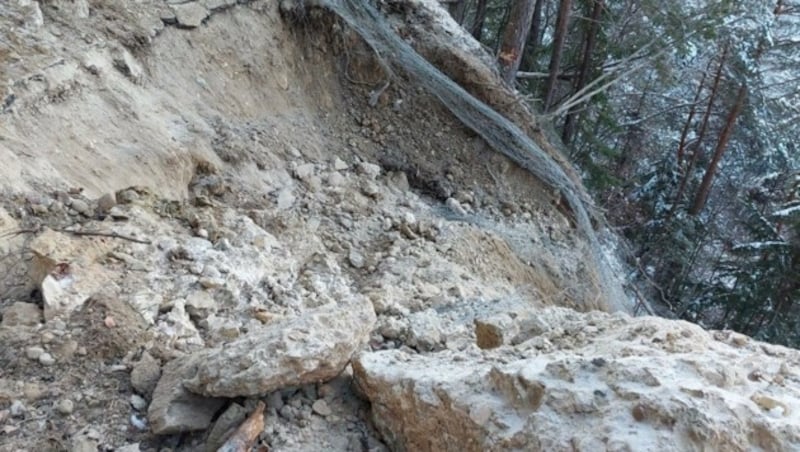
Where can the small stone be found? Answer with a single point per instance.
(138, 402)
(138, 423)
(321, 407)
(58, 325)
(65, 407)
(314, 183)
(371, 189)
(145, 374)
(211, 272)
(356, 259)
(287, 412)
(106, 202)
(34, 352)
(127, 196)
(200, 304)
(335, 179)
(215, 5)
(168, 16)
(117, 214)
(398, 180)
(66, 350)
(202, 233)
(82, 207)
(339, 164)
(275, 401)
(369, 169)
(230, 419)
(48, 337)
(221, 327)
(135, 447)
(190, 15)
(455, 206)
(211, 283)
(39, 209)
(17, 409)
(46, 359)
(409, 219)
(305, 171)
(392, 327)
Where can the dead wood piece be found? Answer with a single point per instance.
(243, 439)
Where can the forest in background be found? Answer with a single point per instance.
(684, 120)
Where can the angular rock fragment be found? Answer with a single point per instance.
(312, 348)
(174, 409)
(190, 15)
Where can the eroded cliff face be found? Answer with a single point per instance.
(201, 209)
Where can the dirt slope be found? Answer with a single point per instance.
(242, 155)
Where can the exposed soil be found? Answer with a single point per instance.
(245, 159)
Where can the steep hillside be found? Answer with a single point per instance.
(206, 204)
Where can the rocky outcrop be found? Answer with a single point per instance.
(590, 382)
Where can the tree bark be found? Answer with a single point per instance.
(719, 151)
(559, 38)
(515, 33)
(480, 19)
(534, 38)
(571, 120)
(688, 124)
(703, 127)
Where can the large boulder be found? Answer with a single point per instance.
(590, 382)
(312, 348)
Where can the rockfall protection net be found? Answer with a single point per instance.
(498, 132)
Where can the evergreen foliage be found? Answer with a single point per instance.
(683, 103)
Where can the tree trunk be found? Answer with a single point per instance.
(571, 121)
(457, 9)
(515, 34)
(688, 124)
(632, 143)
(480, 19)
(534, 38)
(703, 127)
(719, 151)
(558, 49)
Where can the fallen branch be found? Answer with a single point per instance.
(112, 235)
(243, 439)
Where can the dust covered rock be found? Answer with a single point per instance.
(591, 382)
(312, 348)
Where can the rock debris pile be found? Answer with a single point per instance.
(201, 215)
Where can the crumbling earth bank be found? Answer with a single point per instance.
(201, 210)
